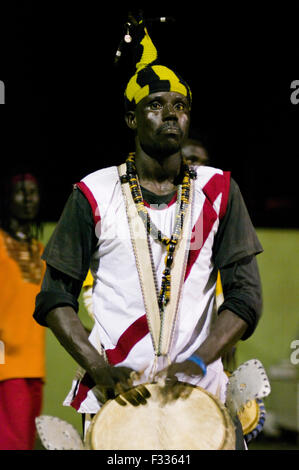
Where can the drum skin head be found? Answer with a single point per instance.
(56, 434)
(199, 422)
(249, 416)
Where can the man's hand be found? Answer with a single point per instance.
(186, 367)
(227, 330)
(135, 396)
(117, 382)
(112, 381)
(171, 388)
(117, 379)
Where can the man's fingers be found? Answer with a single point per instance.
(143, 391)
(180, 390)
(120, 401)
(136, 396)
(134, 375)
(123, 379)
(119, 389)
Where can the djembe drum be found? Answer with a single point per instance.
(198, 422)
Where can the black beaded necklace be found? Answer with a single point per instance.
(152, 230)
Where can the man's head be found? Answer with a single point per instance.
(158, 102)
(20, 203)
(194, 152)
(161, 122)
(25, 198)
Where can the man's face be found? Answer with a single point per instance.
(25, 200)
(161, 122)
(194, 153)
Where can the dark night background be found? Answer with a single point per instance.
(63, 116)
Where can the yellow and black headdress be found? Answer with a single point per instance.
(150, 76)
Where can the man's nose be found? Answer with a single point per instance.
(28, 197)
(169, 112)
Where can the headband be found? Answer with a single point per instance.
(23, 177)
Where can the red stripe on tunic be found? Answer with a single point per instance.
(91, 199)
(201, 230)
(218, 184)
(85, 385)
(127, 340)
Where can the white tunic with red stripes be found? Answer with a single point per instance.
(121, 327)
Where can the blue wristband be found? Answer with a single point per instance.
(199, 362)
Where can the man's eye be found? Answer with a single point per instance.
(155, 105)
(180, 106)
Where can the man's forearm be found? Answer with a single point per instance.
(226, 332)
(70, 332)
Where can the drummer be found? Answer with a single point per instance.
(95, 231)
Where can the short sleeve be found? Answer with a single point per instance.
(73, 241)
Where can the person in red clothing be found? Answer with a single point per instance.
(22, 368)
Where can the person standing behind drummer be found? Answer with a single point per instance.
(194, 152)
(94, 232)
(22, 370)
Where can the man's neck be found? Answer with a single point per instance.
(158, 176)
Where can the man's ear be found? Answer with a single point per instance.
(130, 118)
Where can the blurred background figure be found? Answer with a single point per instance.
(252, 418)
(194, 151)
(21, 272)
(195, 154)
